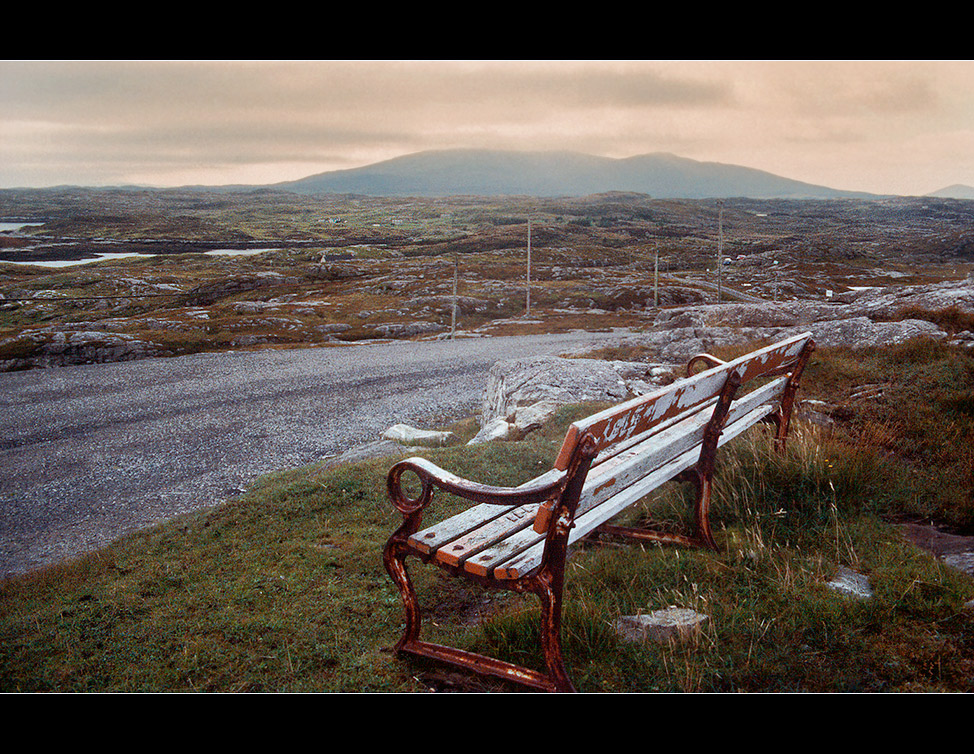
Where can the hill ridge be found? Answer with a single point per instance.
(485, 172)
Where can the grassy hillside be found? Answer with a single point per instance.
(284, 590)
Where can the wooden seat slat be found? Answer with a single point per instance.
(603, 510)
(657, 449)
(520, 559)
(499, 529)
(471, 521)
(434, 537)
(608, 453)
(455, 539)
(498, 537)
(526, 559)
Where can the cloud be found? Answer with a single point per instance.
(149, 121)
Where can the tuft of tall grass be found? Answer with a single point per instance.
(786, 523)
(912, 403)
(953, 319)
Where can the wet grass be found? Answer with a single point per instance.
(284, 590)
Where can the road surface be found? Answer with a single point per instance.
(88, 453)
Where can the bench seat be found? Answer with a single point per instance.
(501, 542)
(518, 538)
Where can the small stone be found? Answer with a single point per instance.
(529, 418)
(852, 584)
(495, 430)
(406, 435)
(962, 561)
(366, 452)
(670, 624)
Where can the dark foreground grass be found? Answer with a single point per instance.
(284, 590)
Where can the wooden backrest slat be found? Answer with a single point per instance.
(640, 415)
(491, 547)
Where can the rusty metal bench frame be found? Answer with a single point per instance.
(518, 538)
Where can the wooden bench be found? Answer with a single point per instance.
(518, 538)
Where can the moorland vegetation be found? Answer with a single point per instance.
(338, 269)
(283, 589)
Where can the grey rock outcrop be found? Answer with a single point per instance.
(407, 329)
(517, 383)
(729, 315)
(679, 344)
(878, 304)
(964, 339)
(863, 332)
(210, 292)
(888, 302)
(465, 304)
(44, 348)
(367, 452)
(514, 387)
(524, 420)
(494, 430)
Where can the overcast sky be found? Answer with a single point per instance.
(901, 127)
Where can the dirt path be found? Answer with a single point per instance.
(91, 452)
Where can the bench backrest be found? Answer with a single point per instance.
(621, 426)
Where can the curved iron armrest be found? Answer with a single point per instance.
(432, 476)
(706, 358)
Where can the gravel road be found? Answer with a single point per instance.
(92, 452)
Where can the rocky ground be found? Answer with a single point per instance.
(266, 271)
(334, 270)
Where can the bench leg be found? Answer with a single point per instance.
(703, 473)
(394, 557)
(782, 417)
(546, 585)
(546, 582)
(702, 538)
(704, 484)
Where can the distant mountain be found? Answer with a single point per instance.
(957, 191)
(495, 173)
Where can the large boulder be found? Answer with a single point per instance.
(677, 345)
(210, 292)
(516, 426)
(517, 383)
(407, 329)
(47, 348)
(728, 315)
(887, 303)
(862, 332)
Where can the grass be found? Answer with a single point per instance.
(953, 319)
(283, 589)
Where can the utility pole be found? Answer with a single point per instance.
(720, 247)
(528, 300)
(656, 278)
(456, 274)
